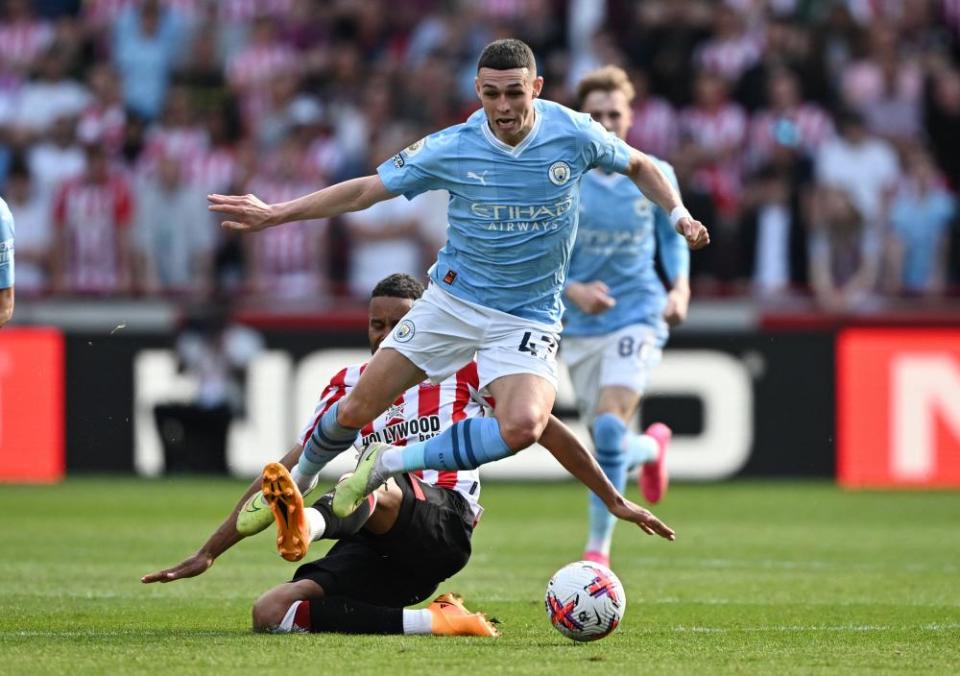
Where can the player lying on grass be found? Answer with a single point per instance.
(513, 172)
(616, 324)
(394, 551)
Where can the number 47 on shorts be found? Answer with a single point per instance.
(543, 346)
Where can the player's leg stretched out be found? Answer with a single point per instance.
(619, 452)
(616, 320)
(524, 401)
(362, 585)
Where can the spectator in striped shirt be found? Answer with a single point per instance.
(287, 262)
(91, 216)
(654, 129)
(23, 37)
(806, 123)
(395, 549)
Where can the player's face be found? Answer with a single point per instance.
(507, 98)
(384, 313)
(611, 109)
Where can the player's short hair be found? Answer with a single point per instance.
(398, 285)
(606, 79)
(506, 54)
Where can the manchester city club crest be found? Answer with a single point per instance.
(641, 207)
(559, 173)
(404, 331)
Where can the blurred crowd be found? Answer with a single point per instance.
(820, 139)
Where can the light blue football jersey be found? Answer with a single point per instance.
(620, 230)
(513, 210)
(6, 246)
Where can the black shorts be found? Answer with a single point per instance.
(429, 543)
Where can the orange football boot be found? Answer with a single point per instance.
(281, 494)
(451, 618)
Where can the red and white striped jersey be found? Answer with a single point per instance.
(654, 128)
(91, 214)
(180, 143)
(23, 41)
(257, 64)
(287, 260)
(212, 170)
(105, 124)
(418, 414)
(812, 126)
(717, 131)
(730, 58)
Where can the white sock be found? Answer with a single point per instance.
(601, 544)
(305, 482)
(417, 621)
(391, 460)
(641, 449)
(286, 624)
(315, 522)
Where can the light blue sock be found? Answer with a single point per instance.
(608, 435)
(329, 439)
(641, 449)
(464, 445)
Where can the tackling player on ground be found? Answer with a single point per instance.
(396, 547)
(513, 173)
(617, 321)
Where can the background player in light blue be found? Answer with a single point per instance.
(513, 172)
(7, 234)
(618, 309)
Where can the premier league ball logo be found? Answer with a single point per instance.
(414, 147)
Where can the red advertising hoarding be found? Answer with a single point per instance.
(31, 405)
(898, 407)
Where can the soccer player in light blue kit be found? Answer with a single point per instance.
(513, 173)
(616, 322)
(6, 263)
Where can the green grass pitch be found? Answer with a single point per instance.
(764, 578)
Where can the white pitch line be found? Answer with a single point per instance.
(934, 627)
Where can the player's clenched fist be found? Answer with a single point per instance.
(694, 232)
(246, 213)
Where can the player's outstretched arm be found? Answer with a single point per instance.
(225, 537)
(655, 185)
(576, 459)
(247, 213)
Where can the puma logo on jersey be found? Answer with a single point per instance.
(482, 177)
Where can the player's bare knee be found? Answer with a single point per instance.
(353, 412)
(270, 609)
(522, 429)
(268, 612)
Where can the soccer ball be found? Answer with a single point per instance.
(585, 601)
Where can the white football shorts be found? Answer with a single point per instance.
(623, 358)
(442, 333)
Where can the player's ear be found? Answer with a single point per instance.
(537, 85)
(476, 87)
